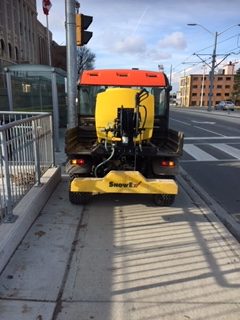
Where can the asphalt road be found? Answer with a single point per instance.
(212, 153)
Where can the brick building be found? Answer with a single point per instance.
(194, 88)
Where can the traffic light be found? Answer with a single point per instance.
(82, 23)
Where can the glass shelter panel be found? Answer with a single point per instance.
(32, 89)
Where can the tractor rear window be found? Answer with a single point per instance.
(160, 101)
(87, 99)
(88, 94)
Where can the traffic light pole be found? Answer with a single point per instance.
(70, 6)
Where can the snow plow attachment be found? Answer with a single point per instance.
(124, 182)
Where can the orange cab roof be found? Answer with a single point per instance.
(124, 77)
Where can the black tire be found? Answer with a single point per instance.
(79, 197)
(164, 200)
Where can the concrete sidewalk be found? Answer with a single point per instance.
(119, 258)
(30, 206)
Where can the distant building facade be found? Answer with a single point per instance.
(23, 39)
(194, 88)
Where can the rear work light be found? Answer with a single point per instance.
(168, 163)
(79, 162)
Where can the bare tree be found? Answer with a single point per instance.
(85, 59)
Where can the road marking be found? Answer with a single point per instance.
(197, 153)
(186, 123)
(234, 152)
(218, 134)
(203, 122)
(211, 138)
(218, 160)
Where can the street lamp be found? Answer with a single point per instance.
(211, 74)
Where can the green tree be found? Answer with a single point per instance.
(236, 88)
(85, 59)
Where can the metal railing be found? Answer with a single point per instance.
(26, 153)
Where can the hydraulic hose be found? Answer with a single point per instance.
(105, 161)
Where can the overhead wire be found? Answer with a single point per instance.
(203, 49)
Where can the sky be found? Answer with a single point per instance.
(147, 33)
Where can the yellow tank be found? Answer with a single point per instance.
(107, 105)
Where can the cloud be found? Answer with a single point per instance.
(157, 55)
(149, 37)
(175, 40)
(130, 45)
(137, 47)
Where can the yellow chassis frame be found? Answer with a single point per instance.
(124, 182)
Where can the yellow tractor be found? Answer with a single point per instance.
(122, 143)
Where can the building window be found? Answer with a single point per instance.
(195, 78)
(16, 54)
(227, 94)
(2, 48)
(228, 78)
(220, 78)
(183, 82)
(219, 86)
(194, 94)
(218, 94)
(10, 50)
(195, 87)
(227, 87)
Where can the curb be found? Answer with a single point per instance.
(27, 210)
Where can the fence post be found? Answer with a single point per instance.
(9, 217)
(36, 153)
(55, 110)
(9, 89)
(52, 140)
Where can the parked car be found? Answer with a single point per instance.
(225, 105)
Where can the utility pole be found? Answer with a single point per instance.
(46, 7)
(211, 75)
(70, 6)
(170, 75)
(49, 44)
(213, 64)
(202, 86)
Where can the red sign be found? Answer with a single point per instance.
(46, 4)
